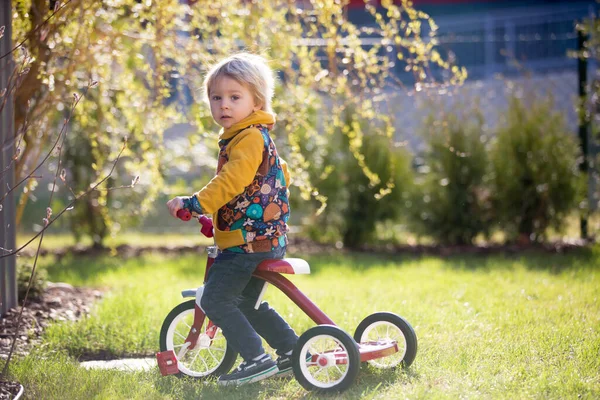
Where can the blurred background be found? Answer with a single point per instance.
(426, 122)
(448, 148)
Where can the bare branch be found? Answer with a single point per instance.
(70, 205)
(60, 135)
(37, 28)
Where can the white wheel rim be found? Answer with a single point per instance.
(384, 332)
(203, 359)
(326, 348)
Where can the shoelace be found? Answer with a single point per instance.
(242, 366)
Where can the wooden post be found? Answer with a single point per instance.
(8, 278)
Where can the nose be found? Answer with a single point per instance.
(224, 105)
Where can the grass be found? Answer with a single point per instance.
(500, 327)
(54, 241)
(187, 234)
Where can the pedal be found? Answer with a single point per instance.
(167, 363)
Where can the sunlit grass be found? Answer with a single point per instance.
(498, 327)
(53, 241)
(188, 236)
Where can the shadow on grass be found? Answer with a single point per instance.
(370, 383)
(584, 258)
(534, 258)
(85, 268)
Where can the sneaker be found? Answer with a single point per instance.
(284, 364)
(250, 371)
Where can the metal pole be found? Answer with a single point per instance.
(592, 109)
(583, 121)
(490, 47)
(8, 278)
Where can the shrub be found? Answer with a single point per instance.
(369, 204)
(38, 284)
(365, 180)
(451, 198)
(536, 177)
(324, 222)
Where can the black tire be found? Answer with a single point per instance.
(203, 361)
(308, 373)
(407, 338)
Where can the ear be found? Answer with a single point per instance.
(257, 106)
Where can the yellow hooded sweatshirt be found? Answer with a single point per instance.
(248, 197)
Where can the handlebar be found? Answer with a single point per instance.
(184, 215)
(207, 225)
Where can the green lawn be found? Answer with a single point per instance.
(54, 241)
(515, 326)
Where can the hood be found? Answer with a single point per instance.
(256, 118)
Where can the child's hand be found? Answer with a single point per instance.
(174, 205)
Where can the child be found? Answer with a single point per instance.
(249, 201)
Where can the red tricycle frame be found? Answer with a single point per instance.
(271, 272)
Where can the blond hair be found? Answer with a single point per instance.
(249, 70)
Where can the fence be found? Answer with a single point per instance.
(530, 48)
(535, 39)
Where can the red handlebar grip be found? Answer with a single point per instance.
(184, 215)
(207, 226)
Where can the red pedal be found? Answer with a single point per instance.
(167, 362)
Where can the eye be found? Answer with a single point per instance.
(215, 98)
(235, 97)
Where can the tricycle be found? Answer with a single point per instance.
(325, 358)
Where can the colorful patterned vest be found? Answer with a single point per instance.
(262, 210)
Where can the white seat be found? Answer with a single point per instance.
(285, 266)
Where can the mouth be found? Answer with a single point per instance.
(225, 117)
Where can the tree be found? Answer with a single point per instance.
(84, 41)
(142, 54)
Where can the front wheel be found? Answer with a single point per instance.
(210, 356)
(385, 328)
(325, 359)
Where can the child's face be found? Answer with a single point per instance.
(230, 102)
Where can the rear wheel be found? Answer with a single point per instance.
(210, 357)
(325, 359)
(384, 328)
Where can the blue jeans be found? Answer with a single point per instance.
(229, 297)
